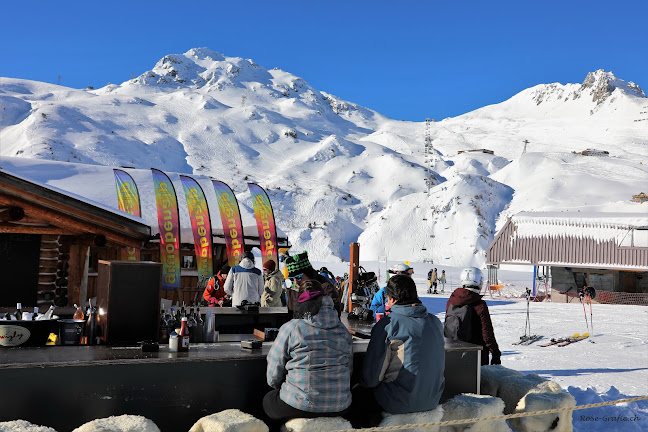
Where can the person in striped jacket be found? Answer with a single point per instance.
(310, 362)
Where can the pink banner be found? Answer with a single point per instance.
(128, 202)
(169, 223)
(231, 219)
(265, 223)
(200, 226)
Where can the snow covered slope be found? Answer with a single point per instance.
(338, 172)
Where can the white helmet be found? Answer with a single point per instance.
(471, 277)
(400, 268)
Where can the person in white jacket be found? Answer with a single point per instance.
(244, 281)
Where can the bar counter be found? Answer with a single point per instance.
(66, 386)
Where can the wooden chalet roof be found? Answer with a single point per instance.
(31, 208)
(594, 240)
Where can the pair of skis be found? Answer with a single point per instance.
(577, 337)
(527, 340)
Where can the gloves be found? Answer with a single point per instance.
(496, 360)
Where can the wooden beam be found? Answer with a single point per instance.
(73, 224)
(109, 221)
(11, 213)
(31, 229)
(354, 265)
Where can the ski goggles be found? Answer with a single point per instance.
(296, 278)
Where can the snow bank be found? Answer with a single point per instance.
(123, 423)
(23, 426)
(231, 420)
(432, 416)
(320, 424)
(538, 401)
(466, 406)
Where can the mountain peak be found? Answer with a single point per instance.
(601, 84)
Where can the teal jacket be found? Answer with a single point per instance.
(405, 360)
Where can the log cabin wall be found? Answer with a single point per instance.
(47, 267)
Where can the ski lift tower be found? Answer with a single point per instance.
(428, 151)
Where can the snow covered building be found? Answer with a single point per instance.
(52, 237)
(45, 235)
(608, 251)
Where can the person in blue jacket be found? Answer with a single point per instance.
(379, 299)
(403, 368)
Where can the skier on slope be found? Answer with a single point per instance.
(467, 316)
(442, 280)
(432, 281)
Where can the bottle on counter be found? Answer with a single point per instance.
(164, 332)
(18, 313)
(47, 315)
(191, 323)
(35, 314)
(91, 327)
(169, 321)
(173, 342)
(78, 314)
(183, 337)
(200, 327)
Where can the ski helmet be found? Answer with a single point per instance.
(400, 268)
(471, 277)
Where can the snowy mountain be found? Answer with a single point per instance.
(335, 171)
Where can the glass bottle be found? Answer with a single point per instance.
(191, 323)
(200, 327)
(18, 313)
(164, 332)
(183, 342)
(35, 315)
(78, 314)
(47, 315)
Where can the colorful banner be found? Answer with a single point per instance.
(200, 226)
(231, 219)
(169, 223)
(265, 223)
(128, 202)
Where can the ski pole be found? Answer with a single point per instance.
(528, 320)
(584, 312)
(589, 299)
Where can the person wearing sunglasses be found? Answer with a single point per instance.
(300, 270)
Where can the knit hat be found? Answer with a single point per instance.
(297, 264)
(270, 265)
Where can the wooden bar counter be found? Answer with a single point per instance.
(66, 386)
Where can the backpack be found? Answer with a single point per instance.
(459, 322)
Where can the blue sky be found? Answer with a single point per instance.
(406, 59)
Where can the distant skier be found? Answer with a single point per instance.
(432, 281)
(442, 279)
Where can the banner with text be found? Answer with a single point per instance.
(200, 226)
(231, 219)
(169, 223)
(265, 223)
(128, 202)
